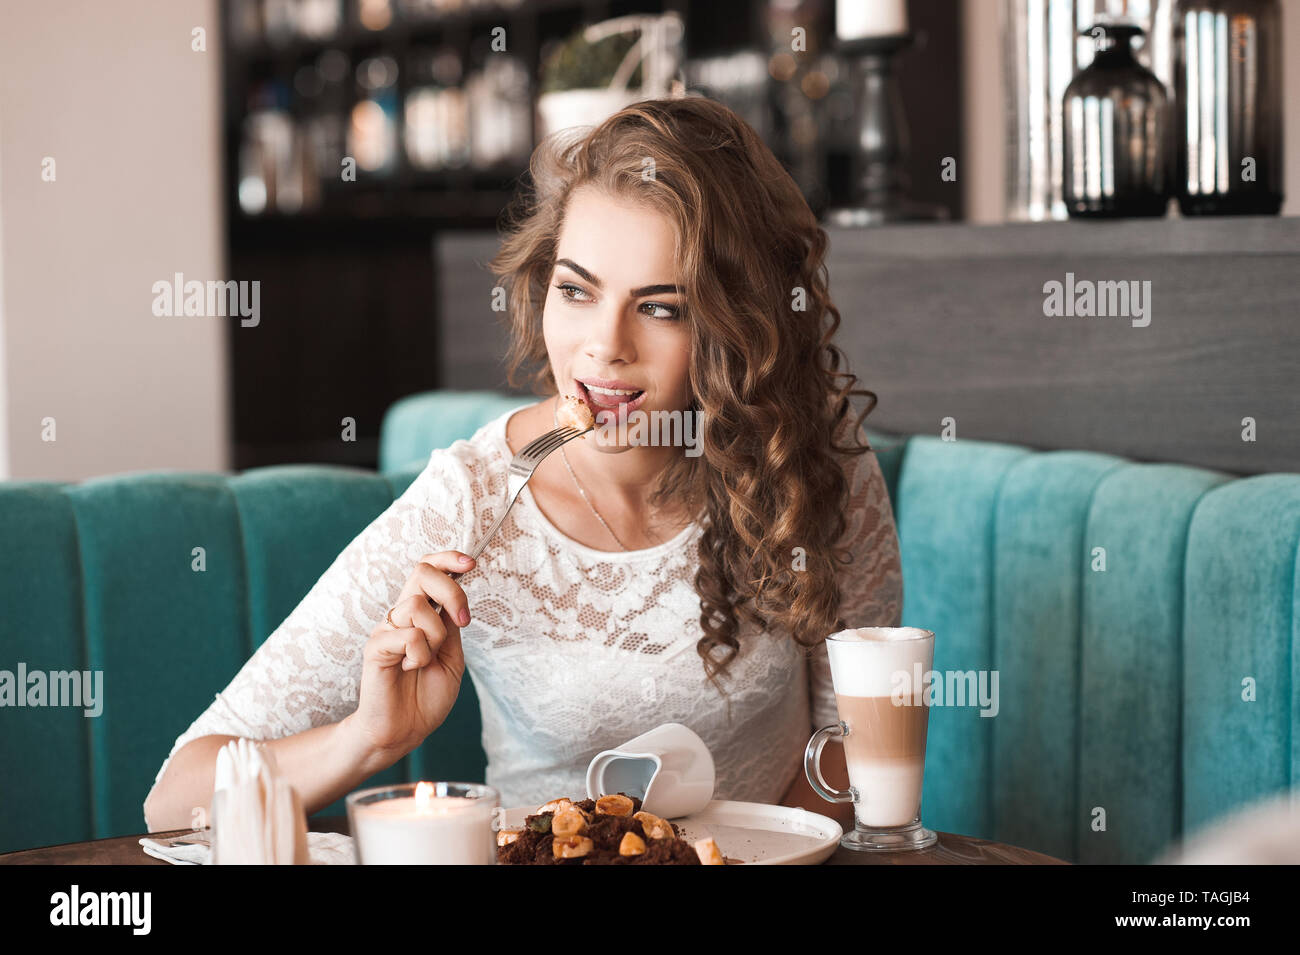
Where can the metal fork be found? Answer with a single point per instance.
(522, 466)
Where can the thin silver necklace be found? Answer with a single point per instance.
(578, 484)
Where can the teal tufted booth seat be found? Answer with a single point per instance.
(418, 423)
(1120, 689)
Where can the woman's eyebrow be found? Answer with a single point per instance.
(636, 292)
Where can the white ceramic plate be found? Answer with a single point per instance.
(752, 832)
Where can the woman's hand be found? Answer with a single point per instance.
(412, 671)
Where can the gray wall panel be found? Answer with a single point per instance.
(947, 320)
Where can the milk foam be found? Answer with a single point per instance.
(889, 790)
(864, 660)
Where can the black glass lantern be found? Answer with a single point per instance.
(1228, 99)
(1115, 132)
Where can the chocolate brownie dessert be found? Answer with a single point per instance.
(612, 830)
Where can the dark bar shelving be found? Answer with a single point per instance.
(350, 285)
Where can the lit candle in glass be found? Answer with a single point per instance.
(859, 19)
(424, 824)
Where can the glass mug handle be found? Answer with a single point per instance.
(812, 764)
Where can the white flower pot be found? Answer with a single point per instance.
(589, 107)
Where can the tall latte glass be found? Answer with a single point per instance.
(883, 722)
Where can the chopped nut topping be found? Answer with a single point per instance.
(568, 822)
(632, 845)
(614, 806)
(655, 828)
(708, 852)
(507, 836)
(573, 847)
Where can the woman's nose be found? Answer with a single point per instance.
(609, 339)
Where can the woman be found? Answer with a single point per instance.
(664, 263)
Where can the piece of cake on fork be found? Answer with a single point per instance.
(574, 413)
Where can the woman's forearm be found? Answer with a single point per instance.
(836, 772)
(322, 764)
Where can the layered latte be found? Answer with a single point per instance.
(885, 743)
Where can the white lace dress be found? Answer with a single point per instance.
(572, 650)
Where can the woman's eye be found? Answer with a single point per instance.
(667, 312)
(567, 287)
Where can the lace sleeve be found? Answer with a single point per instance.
(307, 671)
(871, 587)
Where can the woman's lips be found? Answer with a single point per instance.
(598, 402)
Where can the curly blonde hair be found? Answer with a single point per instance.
(770, 388)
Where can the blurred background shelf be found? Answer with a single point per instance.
(354, 305)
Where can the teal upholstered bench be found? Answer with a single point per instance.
(1120, 689)
(417, 424)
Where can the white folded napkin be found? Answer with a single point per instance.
(326, 848)
(257, 817)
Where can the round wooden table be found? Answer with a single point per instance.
(950, 850)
